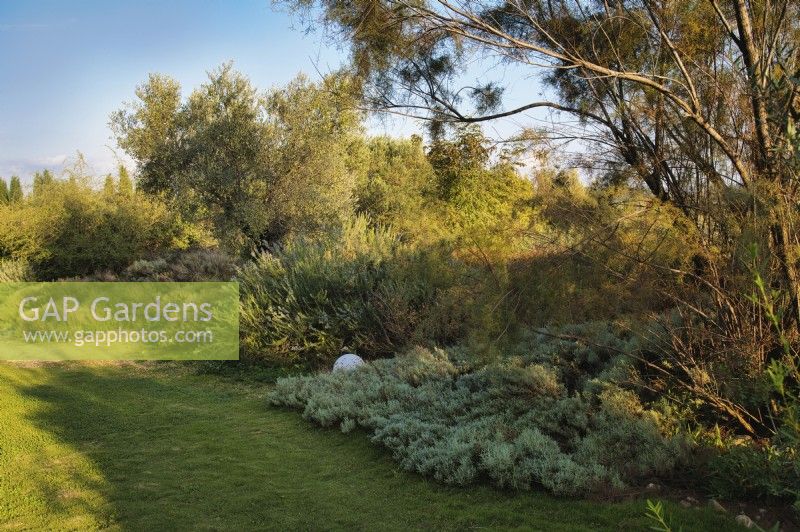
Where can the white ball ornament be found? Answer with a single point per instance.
(347, 362)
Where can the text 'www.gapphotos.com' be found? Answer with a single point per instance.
(120, 336)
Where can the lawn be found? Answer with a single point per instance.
(155, 447)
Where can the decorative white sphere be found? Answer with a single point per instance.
(347, 362)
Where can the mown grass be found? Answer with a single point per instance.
(152, 448)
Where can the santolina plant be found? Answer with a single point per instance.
(514, 423)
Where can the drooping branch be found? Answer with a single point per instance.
(464, 24)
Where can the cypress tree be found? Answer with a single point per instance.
(41, 180)
(37, 182)
(125, 184)
(3, 191)
(109, 187)
(15, 190)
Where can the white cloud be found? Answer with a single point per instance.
(97, 164)
(25, 168)
(52, 160)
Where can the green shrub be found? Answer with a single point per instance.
(307, 300)
(747, 471)
(12, 271)
(68, 229)
(599, 253)
(392, 181)
(361, 289)
(513, 423)
(183, 266)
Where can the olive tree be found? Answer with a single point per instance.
(257, 166)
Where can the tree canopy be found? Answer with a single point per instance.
(257, 166)
(3, 191)
(697, 102)
(15, 193)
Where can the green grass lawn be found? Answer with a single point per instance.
(141, 447)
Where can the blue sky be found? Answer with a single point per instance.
(66, 66)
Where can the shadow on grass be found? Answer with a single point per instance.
(179, 451)
(163, 452)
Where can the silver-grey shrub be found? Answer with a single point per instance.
(513, 423)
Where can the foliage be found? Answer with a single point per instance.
(453, 244)
(726, 356)
(184, 266)
(15, 193)
(760, 473)
(393, 176)
(124, 181)
(14, 271)
(312, 130)
(180, 265)
(4, 194)
(148, 130)
(657, 514)
(360, 289)
(109, 185)
(256, 166)
(165, 473)
(69, 229)
(487, 206)
(515, 423)
(772, 470)
(676, 202)
(310, 298)
(42, 180)
(599, 253)
(665, 123)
